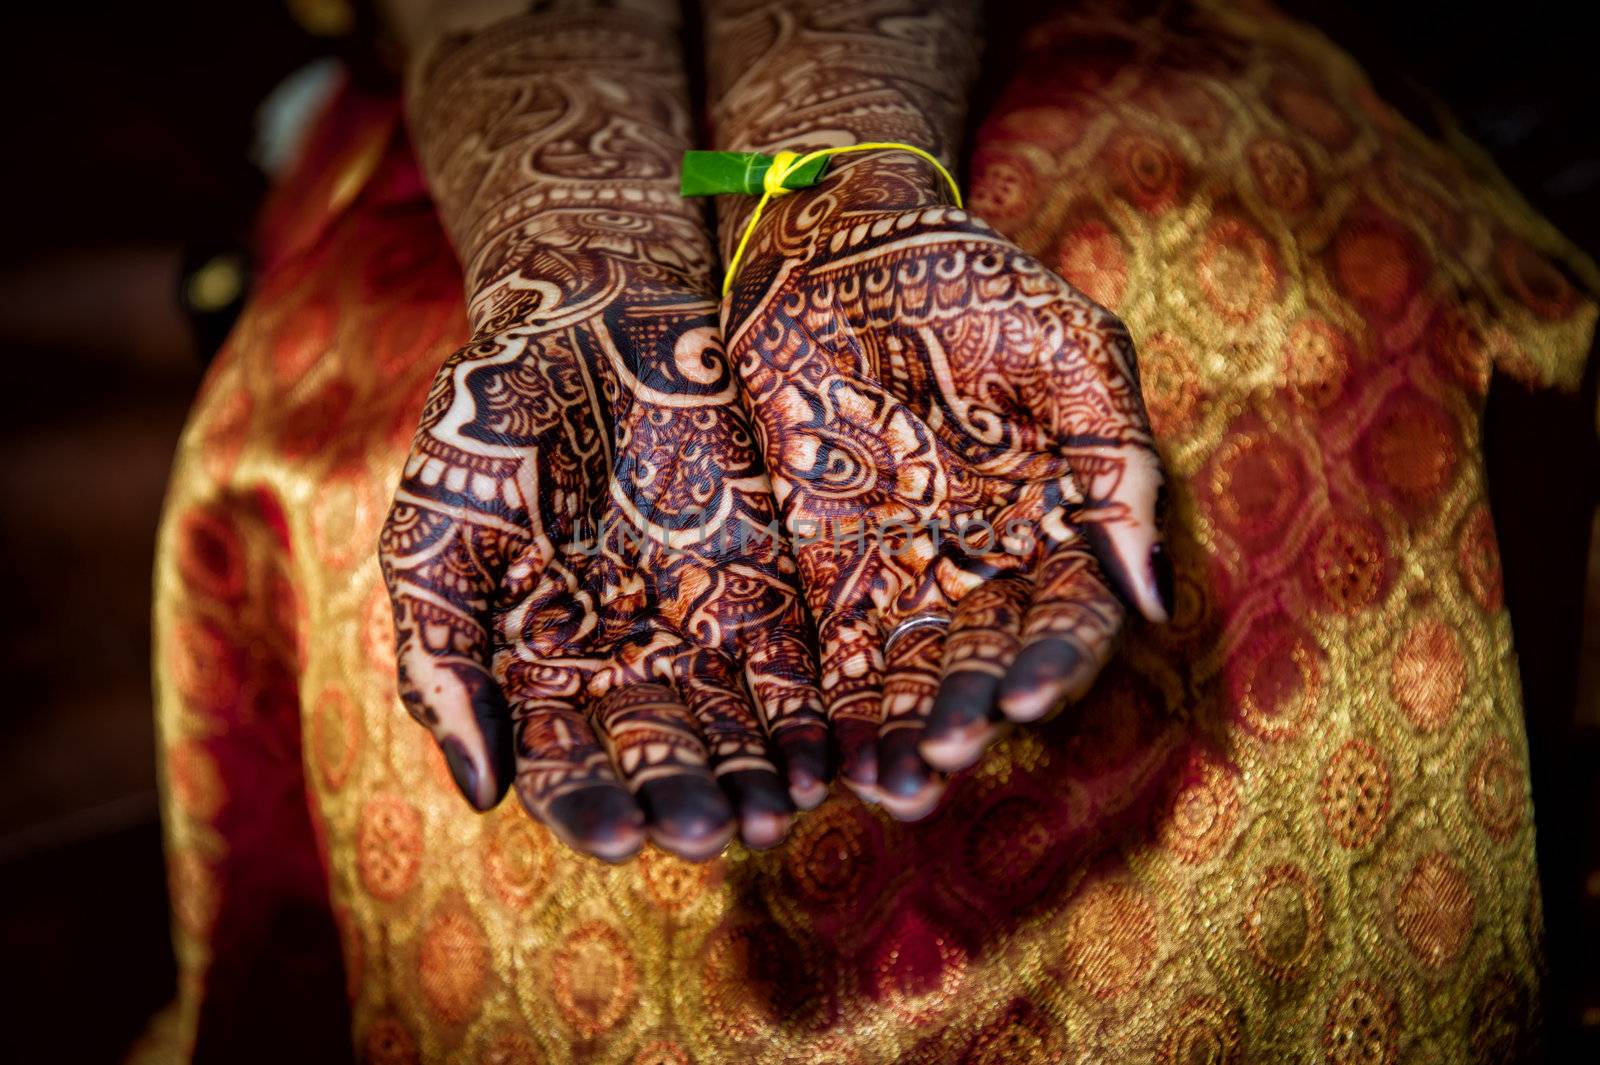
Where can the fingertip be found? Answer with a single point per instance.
(806, 765)
(917, 806)
(953, 751)
(602, 820)
(961, 723)
(858, 756)
(902, 774)
(493, 716)
(688, 815)
(763, 829)
(478, 788)
(1040, 680)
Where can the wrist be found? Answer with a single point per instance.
(571, 255)
(880, 180)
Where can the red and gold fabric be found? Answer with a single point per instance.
(1292, 825)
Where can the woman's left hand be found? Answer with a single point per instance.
(963, 433)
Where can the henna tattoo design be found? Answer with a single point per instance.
(582, 597)
(909, 369)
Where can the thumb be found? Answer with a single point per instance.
(441, 573)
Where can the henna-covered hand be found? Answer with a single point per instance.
(959, 430)
(583, 596)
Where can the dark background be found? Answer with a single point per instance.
(125, 131)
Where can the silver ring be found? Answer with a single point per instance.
(919, 621)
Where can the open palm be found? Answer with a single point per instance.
(580, 598)
(960, 434)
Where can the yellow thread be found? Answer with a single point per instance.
(786, 163)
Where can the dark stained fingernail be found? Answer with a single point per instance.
(494, 723)
(1036, 681)
(1111, 563)
(757, 791)
(907, 788)
(1161, 575)
(901, 771)
(806, 766)
(687, 814)
(602, 820)
(464, 771)
(858, 755)
(762, 805)
(965, 704)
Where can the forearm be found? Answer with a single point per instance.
(551, 143)
(798, 74)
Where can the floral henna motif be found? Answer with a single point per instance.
(587, 594)
(958, 431)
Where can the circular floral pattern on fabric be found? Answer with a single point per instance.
(669, 881)
(1362, 1026)
(205, 665)
(389, 1042)
(1533, 280)
(210, 556)
(832, 856)
(509, 1047)
(1478, 558)
(1347, 565)
(1236, 268)
(1377, 264)
(1092, 258)
(593, 978)
(1003, 186)
(1275, 679)
(1316, 361)
(1283, 920)
(1280, 174)
(388, 846)
(1171, 382)
(1497, 785)
(1019, 1036)
(225, 434)
(755, 978)
(1201, 809)
(1146, 171)
(1256, 481)
(193, 779)
(1428, 674)
(661, 1052)
(453, 963)
(1111, 940)
(1434, 909)
(335, 737)
(1354, 795)
(1204, 1031)
(518, 858)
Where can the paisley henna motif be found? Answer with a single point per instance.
(963, 428)
(584, 596)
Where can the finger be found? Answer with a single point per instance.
(657, 750)
(740, 758)
(565, 779)
(852, 694)
(907, 788)
(441, 570)
(984, 638)
(781, 671)
(1115, 464)
(1067, 636)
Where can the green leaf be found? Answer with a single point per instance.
(714, 173)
